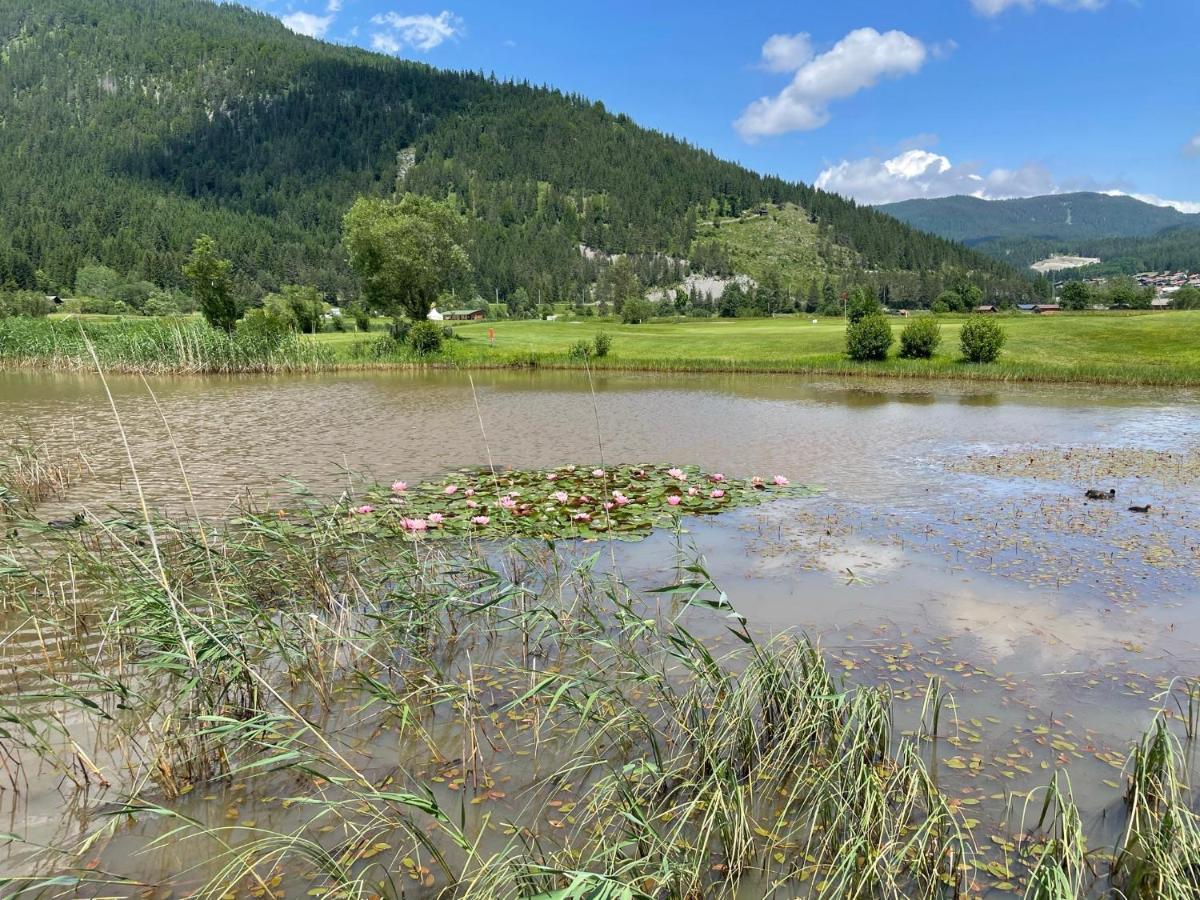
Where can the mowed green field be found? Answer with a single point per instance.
(1151, 348)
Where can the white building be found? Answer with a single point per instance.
(434, 316)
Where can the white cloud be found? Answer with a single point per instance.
(1192, 147)
(996, 7)
(422, 32)
(384, 43)
(786, 52)
(856, 62)
(920, 173)
(308, 23)
(333, 6)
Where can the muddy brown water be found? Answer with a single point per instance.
(1056, 622)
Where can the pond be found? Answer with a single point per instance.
(952, 538)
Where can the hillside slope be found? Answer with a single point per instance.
(131, 126)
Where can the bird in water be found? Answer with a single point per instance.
(1094, 494)
(1140, 509)
(75, 521)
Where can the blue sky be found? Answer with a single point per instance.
(877, 99)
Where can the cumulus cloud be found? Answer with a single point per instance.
(421, 32)
(921, 173)
(786, 52)
(384, 43)
(308, 23)
(996, 7)
(857, 61)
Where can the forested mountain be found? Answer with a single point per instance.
(1080, 216)
(128, 127)
(1128, 234)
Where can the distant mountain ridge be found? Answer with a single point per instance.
(127, 127)
(1079, 216)
(1128, 234)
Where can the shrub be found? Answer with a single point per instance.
(264, 326)
(448, 332)
(25, 303)
(861, 305)
(361, 316)
(982, 338)
(383, 347)
(635, 311)
(602, 343)
(399, 329)
(920, 338)
(580, 351)
(869, 338)
(425, 337)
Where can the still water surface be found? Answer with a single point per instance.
(1036, 605)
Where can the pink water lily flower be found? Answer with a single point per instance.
(781, 481)
(597, 473)
(621, 499)
(399, 487)
(480, 520)
(608, 504)
(674, 499)
(551, 476)
(469, 492)
(508, 502)
(414, 524)
(756, 481)
(693, 491)
(717, 494)
(471, 504)
(452, 489)
(676, 473)
(561, 496)
(717, 477)
(364, 510)
(435, 519)
(581, 517)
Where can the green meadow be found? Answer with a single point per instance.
(1113, 348)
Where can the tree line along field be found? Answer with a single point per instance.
(1116, 348)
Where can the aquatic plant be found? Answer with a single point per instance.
(625, 502)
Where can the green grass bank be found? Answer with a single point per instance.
(1158, 348)
(1111, 348)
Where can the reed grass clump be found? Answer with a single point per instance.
(32, 472)
(155, 346)
(382, 689)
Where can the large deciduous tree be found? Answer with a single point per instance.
(212, 287)
(406, 252)
(1075, 295)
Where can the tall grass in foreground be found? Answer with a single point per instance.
(154, 346)
(437, 720)
(357, 676)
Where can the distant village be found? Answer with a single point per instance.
(1167, 283)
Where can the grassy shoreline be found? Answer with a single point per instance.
(1114, 349)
